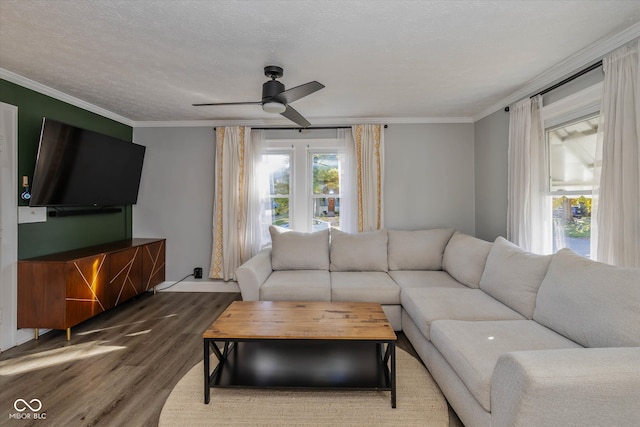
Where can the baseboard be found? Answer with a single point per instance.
(199, 286)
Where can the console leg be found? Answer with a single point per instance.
(68, 334)
(36, 334)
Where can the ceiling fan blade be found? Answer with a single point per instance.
(228, 103)
(295, 117)
(298, 92)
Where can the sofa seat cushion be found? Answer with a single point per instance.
(364, 286)
(426, 305)
(417, 250)
(513, 276)
(473, 348)
(297, 285)
(594, 304)
(425, 279)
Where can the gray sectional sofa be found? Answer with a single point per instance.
(512, 338)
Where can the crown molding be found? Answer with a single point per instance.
(580, 59)
(61, 96)
(316, 122)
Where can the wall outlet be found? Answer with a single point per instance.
(197, 273)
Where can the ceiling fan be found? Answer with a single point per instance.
(275, 99)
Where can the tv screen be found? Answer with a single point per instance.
(79, 168)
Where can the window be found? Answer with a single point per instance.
(572, 149)
(304, 184)
(278, 166)
(325, 190)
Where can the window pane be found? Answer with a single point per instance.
(325, 191)
(326, 177)
(326, 212)
(280, 212)
(572, 150)
(572, 223)
(279, 169)
(278, 166)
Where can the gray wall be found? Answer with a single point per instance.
(429, 183)
(176, 195)
(491, 146)
(429, 174)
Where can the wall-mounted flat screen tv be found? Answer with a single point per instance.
(80, 168)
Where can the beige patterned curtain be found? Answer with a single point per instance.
(229, 217)
(369, 146)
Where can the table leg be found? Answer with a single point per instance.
(393, 374)
(207, 386)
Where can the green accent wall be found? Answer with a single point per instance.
(65, 233)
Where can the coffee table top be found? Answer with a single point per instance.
(302, 320)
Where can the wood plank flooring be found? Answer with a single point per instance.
(119, 367)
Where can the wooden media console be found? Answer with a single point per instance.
(60, 290)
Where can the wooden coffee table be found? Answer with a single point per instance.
(301, 345)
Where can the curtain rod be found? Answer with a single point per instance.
(301, 129)
(567, 80)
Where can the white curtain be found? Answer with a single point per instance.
(229, 205)
(369, 156)
(348, 182)
(255, 234)
(529, 210)
(617, 210)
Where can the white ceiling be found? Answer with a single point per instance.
(149, 60)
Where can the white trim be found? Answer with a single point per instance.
(580, 59)
(61, 96)
(9, 226)
(200, 286)
(315, 122)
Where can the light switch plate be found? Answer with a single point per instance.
(27, 214)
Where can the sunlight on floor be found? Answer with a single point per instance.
(45, 359)
(135, 334)
(94, 331)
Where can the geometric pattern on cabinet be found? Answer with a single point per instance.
(125, 265)
(86, 293)
(153, 265)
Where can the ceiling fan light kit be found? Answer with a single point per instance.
(275, 99)
(273, 107)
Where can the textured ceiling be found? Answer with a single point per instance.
(149, 60)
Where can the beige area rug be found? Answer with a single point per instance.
(419, 403)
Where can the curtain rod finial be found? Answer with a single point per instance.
(506, 109)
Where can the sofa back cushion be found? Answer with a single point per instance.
(292, 250)
(591, 303)
(464, 258)
(513, 276)
(417, 250)
(359, 252)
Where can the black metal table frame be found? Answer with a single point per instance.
(383, 355)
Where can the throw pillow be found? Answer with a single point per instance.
(417, 250)
(359, 252)
(513, 276)
(292, 250)
(464, 258)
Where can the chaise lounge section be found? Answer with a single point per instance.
(512, 338)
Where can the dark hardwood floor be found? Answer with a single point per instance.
(119, 367)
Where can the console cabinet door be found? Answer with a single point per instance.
(125, 277)
(153, 265)
(87, 288)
